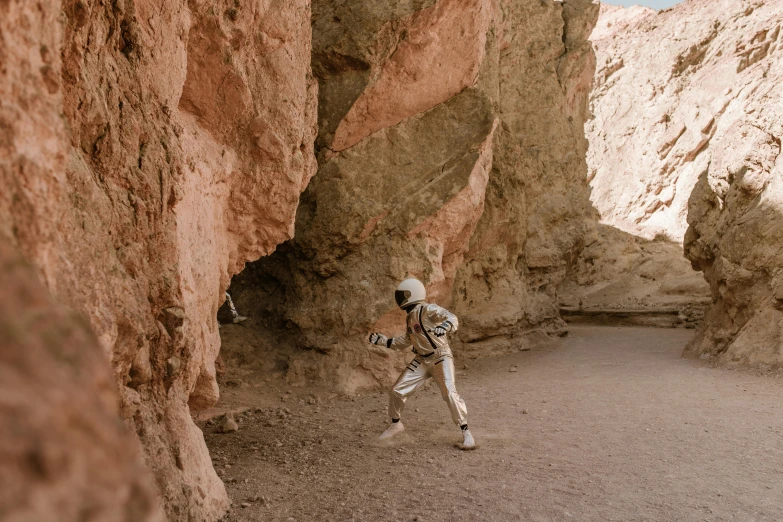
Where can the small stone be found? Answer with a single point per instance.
(524, 412)
(227, 424)
(245, 504)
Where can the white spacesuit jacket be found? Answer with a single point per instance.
(421, 322)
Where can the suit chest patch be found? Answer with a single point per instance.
(417, 328)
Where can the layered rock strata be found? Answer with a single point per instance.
(451, 148)
(685, 143)
(147, 151)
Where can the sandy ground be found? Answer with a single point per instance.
(607, 424)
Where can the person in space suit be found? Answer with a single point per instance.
(427, 326)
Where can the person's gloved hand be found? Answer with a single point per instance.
(441, 330)
(378, 339)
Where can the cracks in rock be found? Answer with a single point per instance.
(695, 55)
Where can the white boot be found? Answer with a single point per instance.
(394, 429)
(239, 318)
(467, 440)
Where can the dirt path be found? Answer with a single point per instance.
(609, 424)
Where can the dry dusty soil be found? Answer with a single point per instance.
(607, 424)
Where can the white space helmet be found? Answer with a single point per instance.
(410, 291)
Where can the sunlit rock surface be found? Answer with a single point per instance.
(685, 144)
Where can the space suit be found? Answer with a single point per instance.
(427, 326)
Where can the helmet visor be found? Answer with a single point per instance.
(401, 296)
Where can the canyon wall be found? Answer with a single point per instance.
(685, 144)
(148, 149)
(60, 417)
(451, 148)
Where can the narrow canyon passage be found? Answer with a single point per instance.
(605, 424)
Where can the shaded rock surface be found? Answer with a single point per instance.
(685, 143)
(451, 148)
(147, 151)
(627, 279)
(59, 414)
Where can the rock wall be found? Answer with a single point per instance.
(451, 148)
(60, 418)
(667, 84)
(148, 149)
(686, 136)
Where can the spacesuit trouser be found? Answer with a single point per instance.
(441, 369)
(231, 307)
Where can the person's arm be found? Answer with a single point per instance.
(396, 343)
(443, 320)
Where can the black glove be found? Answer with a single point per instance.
(441, 330)
(378, 339)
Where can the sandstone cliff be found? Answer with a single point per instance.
(59, 414)
(686, 135)
(451, 148)
(147, 151)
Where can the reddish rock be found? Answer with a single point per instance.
(148, 150)
(449, 151)
(439, 53)
(64, 453)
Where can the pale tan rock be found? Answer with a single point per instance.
(619, 273)
(532, 226)
(227, 424)
(147, 151)
(686, 136)
(668, 85)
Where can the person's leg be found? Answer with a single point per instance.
(411, 378)
(444, 374)
(237, 318)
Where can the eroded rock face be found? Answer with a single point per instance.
(668, 87)
(537, 204)
(59, 412)
(688, 120)
(147, 151)
(451, 149)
